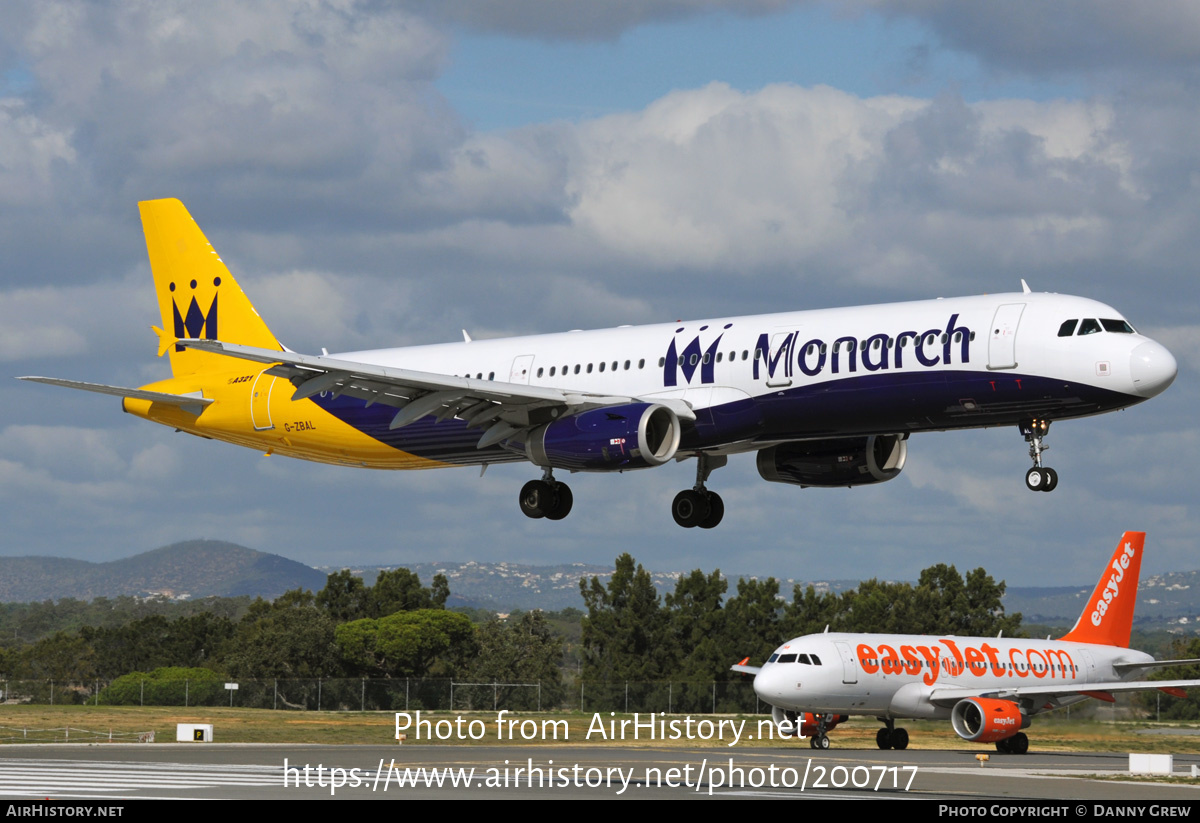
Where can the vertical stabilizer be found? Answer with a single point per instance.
(197, 296)
(1107, 617)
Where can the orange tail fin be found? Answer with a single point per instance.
(1107, 617)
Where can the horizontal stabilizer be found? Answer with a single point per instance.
(191, 403)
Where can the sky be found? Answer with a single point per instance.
(381, 174)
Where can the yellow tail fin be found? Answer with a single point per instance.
(197, 296)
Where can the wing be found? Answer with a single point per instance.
(742, 667)
(1101, 690)
(191, 403)
(500, 409)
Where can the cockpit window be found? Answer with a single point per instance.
(787, 658)
(1068, 328)
(1118, 326)
(803, 658)
(1089, 326)
(772, 658)
(816, 660)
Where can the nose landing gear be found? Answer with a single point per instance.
(698, 506)
(546, 498)
(1040, 478)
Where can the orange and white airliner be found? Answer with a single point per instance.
(988, 687)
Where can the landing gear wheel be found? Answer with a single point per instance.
(1036, 479)
(1018, 743)
(563, 500)
(537, 497)
(821, 741)
(899, 739)
(1003, 746)
(883, 739)
(1051, 480)
(690, 508)
(716, 510)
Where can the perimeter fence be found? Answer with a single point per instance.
(395, 694)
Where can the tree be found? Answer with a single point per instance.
(522, 649)
(403, 644)
(625, 636)
(401, 590)
(698, 630)
(344, 597)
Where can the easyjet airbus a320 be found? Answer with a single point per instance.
(823, 398)
(987, 687)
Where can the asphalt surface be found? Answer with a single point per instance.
(250, 771)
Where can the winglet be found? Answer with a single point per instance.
(1107, 618)
(1025, 287)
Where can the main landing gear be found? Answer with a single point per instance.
(1039, 478)
(698, 506)
(546, 498)
(891, 737)
(1017, 744)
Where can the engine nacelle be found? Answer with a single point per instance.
(986, 719)
(787, 721)
(849, 461)
(614, 438)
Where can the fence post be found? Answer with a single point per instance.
(51, 692)
(186, 695)
(362, 703)
(318, 694)
(670, 697)
(539, 695)
(714, 697)
(142, 692)
(626, 697)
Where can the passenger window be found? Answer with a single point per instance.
(745, 354)
(642, 363)
(695, 358)
(614, 365)
(601, 366)
(626, 365)
(1068, 328)
(662, 361)
(589, 368)
(707, 357)
(1089, 326)
(551, 371)
(539, 372)
(577, 368)
(719, 356)
(491, 375)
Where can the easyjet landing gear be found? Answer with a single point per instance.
(1040, 478)
(891, 737)
(1017, 744)
(546, 498)
(698, 506)
(819, 740)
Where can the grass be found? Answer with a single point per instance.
(378, 728)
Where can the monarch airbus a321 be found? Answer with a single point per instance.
(823, 398)
(987, 687)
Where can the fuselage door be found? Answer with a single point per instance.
(521, 367)
(260, 401)
(1002, 343)
(849, 667)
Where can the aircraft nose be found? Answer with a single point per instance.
(770, 684)
(1152, 367)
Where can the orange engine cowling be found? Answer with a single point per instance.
(986, 719)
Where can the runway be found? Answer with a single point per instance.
(250, 771)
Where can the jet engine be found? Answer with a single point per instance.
(852, 461)
(986, 719)
(614, 438)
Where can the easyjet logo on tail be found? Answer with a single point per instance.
(1112, 588)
